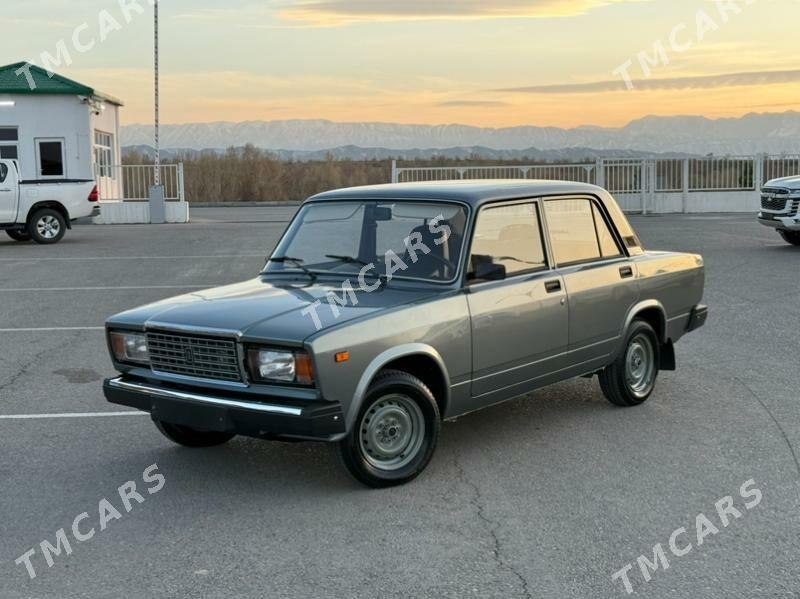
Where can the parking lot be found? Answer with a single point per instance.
(545, 496)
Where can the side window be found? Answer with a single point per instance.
(571, 225)
(579, 232)
(3, 173)
(608, 245)
(509, 236)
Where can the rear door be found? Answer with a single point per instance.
(519, 323)
(8, 192)
(601, 280)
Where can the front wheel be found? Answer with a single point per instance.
(47, 226)
(189, 437)
(18, 234)
(395, 434)
(792, 237)
(631, 378)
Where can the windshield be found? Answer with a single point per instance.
(382, 239)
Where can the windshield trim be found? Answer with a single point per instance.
(411, 200)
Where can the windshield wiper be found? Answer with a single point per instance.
(298, 262)
(347, 259)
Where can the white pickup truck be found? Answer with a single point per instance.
(780, 207)
(42, 210)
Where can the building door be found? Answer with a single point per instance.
(50, 158)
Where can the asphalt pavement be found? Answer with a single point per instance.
(545, 496)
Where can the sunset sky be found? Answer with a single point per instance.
(480, 62)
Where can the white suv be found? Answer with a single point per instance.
(780, 207)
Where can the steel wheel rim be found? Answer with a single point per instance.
(391, 432)
(48, 226)
(640, 365)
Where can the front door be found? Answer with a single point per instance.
(8, 193)
(601, 282)
(519, 322)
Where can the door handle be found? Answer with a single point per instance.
(5, 190)
(626, 272)
(552, 286)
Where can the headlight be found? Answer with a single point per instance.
(280, 366)
(129, 347)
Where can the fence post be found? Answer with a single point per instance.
(685, 179)
(395, 178)
(599, 173)
(181, 189)
(643, 184)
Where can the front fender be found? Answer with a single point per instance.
(380, 361)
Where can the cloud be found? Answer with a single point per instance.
(471, 103)
(673, 83)
(331, 13)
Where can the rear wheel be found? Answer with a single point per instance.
(395, 434)
(47, 226)
(18, 234)
(792, 237)
(631, 378)
(189, 437)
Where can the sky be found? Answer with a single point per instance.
(489, 63)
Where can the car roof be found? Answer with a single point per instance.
(475, 192)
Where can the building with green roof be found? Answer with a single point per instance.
(57, 128)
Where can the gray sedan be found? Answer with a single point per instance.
(386, 309)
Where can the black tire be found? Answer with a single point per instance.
(631, 378)
(47, 226)
(18, 234)
(396, 402)
(792, 237)
(189, 437)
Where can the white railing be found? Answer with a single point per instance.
(637, 181)
(132, 182)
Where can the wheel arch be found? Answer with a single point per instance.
(651, 311)
(53, 205)
(417, 359)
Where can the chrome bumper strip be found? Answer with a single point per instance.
(205, 399)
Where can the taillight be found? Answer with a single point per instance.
(95, 195)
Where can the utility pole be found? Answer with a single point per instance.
(157, 207)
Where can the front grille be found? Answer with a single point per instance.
(774, 204)
(194, 356)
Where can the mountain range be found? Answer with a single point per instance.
(752, 133)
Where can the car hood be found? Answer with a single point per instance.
(265, 310)
(792, 183)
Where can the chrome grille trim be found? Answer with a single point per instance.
(194, 356)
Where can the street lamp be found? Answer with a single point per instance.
(157, 207)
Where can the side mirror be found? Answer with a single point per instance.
(489, 271)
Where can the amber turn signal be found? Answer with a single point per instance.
(342, 356)
(303, 369)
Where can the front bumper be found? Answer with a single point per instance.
(271, 418)
(779, 221)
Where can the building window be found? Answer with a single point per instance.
(50, 153)
(9, 143)
(104, 153)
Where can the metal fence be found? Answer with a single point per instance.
(631, 175)
(132, 183)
